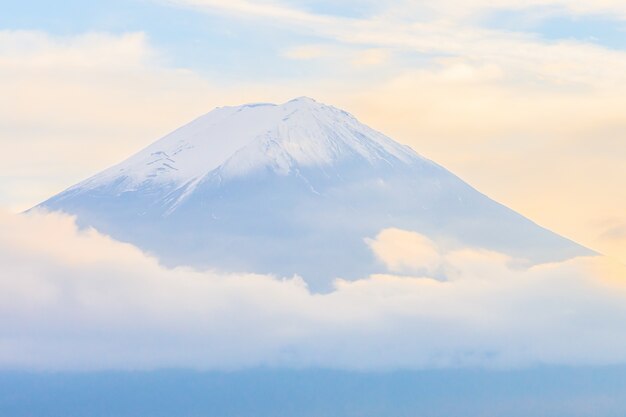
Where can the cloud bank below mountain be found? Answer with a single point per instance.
(73, 300)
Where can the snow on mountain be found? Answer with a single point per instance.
(291, 189)
(241, 139)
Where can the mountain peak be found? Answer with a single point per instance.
(237, 140)
(303, 100)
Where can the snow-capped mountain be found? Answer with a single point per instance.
(241, 140)
(291, 189)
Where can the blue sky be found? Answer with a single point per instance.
(227, 46)
(604, 30)
(210, 44)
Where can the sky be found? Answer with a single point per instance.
(524, 100)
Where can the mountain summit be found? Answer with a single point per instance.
(245, 139)
(291, 189)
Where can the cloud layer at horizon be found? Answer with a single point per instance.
(75, 300)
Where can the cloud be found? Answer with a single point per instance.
(614, 8)
(403, 26)
(72, 299)
(101, 51)
(289, 13)
(405, 252)
(265, 10)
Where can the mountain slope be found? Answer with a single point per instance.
(291, 189)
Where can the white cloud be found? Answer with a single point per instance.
(265, 10)
(105, 52)
(289, 13)
(406, 252)
(613, 8)
(74, 299)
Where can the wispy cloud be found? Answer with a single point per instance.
(522, 55)
(458, 9)
(37, 50)
(265, 10)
